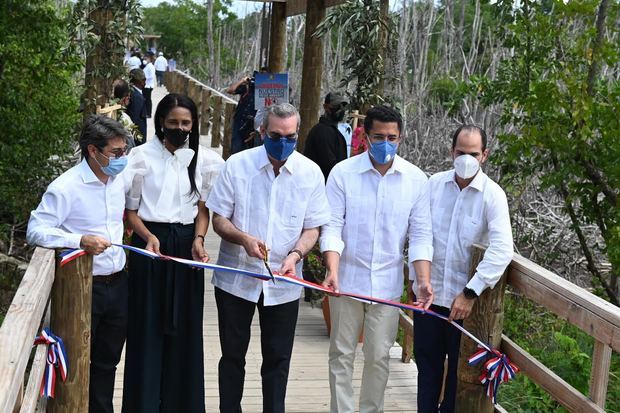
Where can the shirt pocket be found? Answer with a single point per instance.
(471, 228)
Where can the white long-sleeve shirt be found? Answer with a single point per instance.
(477, 214)
(272, 208)
(149, 74)
(160, 186)
(77, 203)
(161, 64)
(372, 216)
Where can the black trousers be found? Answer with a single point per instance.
(433, 339)
(146, 92)
(164, 360)
(277, 325)
(160, 77)
(108, 332)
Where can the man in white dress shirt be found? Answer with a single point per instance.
(161, 64)
(266, 198)
(378, 201)
(83, 208)
(467, 208)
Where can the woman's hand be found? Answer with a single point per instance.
(152, 244)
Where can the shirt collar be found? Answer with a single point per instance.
(87, 174)
(366, 164)
(478, 182)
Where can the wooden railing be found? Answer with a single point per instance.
(109, 110)
(593, 315)
(55, 297)
(215, 109)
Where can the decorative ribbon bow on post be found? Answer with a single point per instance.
(56, 359)
(498, 369)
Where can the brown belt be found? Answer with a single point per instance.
(107, 279)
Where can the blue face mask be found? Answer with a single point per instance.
(279, 149)
(383, 152)
(115, 165)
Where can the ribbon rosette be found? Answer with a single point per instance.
(56, 359)
(498, 369)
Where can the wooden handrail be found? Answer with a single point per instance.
(43, 283)
(593, 315)
(21, 325)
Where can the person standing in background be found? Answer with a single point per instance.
(161, 64)
(149, 74)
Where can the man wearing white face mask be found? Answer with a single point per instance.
(378, 202)
(467, 207)
(83, 208)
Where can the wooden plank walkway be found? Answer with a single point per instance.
(308, 387)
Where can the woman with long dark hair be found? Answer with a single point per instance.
(172, 177)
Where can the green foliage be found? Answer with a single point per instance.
(183, 27)
(38, 103)
(99, 32)
(362, 27)
(558, 89)
(558, 345)
(314, 267)
(447, 93)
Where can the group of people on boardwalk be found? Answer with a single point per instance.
(270, 204)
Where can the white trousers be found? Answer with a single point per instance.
(380, 323)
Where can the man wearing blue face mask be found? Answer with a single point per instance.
(467, 207)
(268, 198)
(83, 208)
(378, 201)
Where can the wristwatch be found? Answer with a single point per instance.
(469, 293)
(296, 251)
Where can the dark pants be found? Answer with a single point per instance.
(277, 326)
(160, 77)
(164, 358)
(433, 339)
(149, 103)
(108, 332)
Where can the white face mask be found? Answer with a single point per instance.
(466, 166)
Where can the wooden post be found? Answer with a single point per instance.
(277, 38)
(229, 110)
(599, 375)
(485, 322)
(216, 128)
(71, 300)
(184, 85)
(205, 116)
(167, 80)
(311, 71)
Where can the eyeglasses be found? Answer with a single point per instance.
(118, 152)
(276, 136)
(379, 137)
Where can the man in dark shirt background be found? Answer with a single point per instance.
(243, 119)
(325, 144)
(136, 108)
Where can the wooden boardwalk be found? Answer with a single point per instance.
(308, 387)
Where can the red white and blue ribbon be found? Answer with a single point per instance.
(56, 359)
(69, 255)
(499, 369)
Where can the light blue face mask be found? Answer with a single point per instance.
(115, 165)
(383, 152)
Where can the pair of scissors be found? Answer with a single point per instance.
(266, 262)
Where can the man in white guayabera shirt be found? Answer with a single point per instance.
(83, 208)
(268, 197)
(467, 208)
(378, 201)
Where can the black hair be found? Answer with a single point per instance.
(169, 102)
(382, 114)
(98, 130)
(121, 89)
(470, 128)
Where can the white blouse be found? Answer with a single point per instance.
(160, 189)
